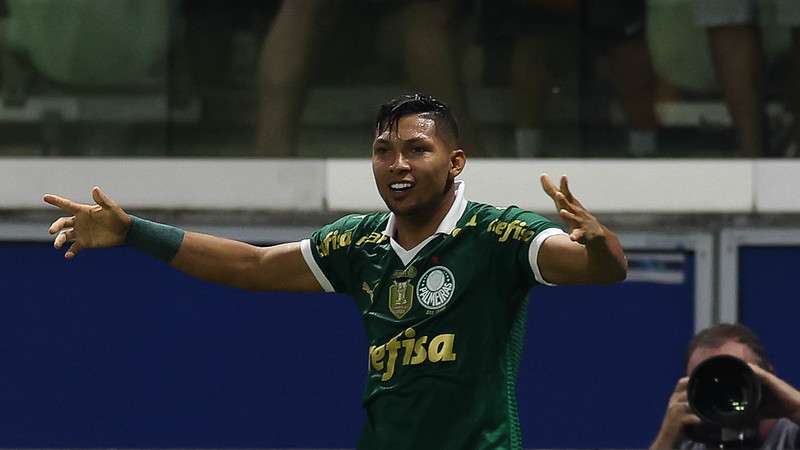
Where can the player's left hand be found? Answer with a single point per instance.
(584, 227)
(783, 400)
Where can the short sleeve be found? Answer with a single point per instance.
(516, 236)
(328, 253)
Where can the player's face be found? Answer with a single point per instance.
(731, 348)
(413, 167)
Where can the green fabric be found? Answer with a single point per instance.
(442, 376)
(93, 42)
(156, 239)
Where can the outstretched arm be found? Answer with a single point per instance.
(210, 258)
(591, 253)
(237, 264)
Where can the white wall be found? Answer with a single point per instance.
(651, 186)
(168, 183)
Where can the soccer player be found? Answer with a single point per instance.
(442, 282)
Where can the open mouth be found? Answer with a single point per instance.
(401, 186)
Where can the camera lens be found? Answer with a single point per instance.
(724, 391)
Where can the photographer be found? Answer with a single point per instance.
(779, 416)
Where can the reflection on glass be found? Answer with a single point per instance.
(302, 78)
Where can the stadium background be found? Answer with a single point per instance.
(116, 350)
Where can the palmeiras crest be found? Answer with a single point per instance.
(436, 287)
(401, 292)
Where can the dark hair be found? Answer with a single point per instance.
(717, 335)
(390, 113)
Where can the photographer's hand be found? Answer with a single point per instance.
(678, 415)
(784, 400)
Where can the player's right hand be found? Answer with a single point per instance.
(679, 415)
(104, 224)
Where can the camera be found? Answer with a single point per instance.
(726, 394)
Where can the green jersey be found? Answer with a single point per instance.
(444, 320)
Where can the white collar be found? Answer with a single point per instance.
(449, 222)
(447, 226)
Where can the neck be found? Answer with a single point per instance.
(410, 230)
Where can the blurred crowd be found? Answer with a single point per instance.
(527, 78)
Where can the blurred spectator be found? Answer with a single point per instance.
(221, 39)
(540, 32)
(431, 60)
(738, 54)
(617, 29)
(90, 48)
(9, 74)
(88, 43)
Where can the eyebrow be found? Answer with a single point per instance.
(414, 140)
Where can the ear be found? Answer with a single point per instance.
(457, 161)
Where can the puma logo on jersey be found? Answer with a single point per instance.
(411, 351)
(365, 287)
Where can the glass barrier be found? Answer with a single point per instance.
(304, 78)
